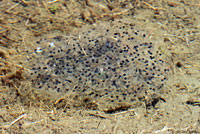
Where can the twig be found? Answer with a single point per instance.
(124, 112)
(164, 129)
(13, 122)
(31, 123)
(24, 2)
(12, 7)
(53, 1)
(98, 116)
(154, 8)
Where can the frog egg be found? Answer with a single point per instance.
(38, 50)
(51, 44)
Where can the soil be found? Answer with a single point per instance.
(174, 24)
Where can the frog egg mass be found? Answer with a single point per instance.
(112, 62)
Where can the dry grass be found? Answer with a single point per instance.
(175, 24)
